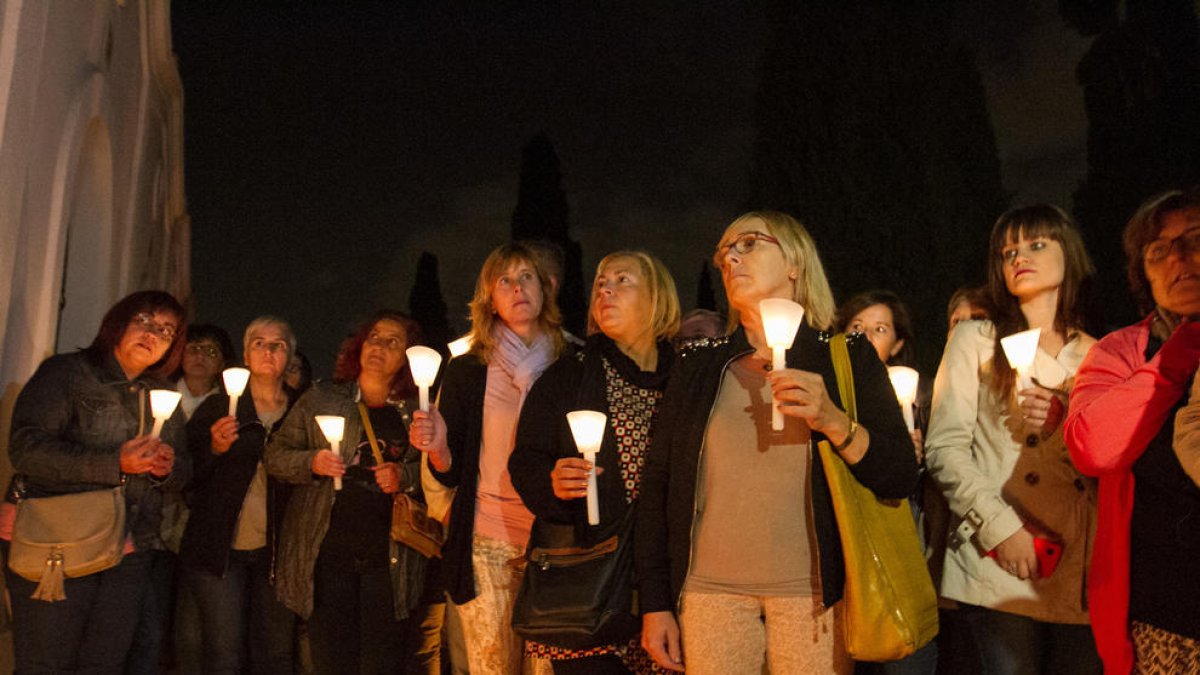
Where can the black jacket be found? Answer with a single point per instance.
(219, 483)
(461, 404)
(668, 491)
(575, 382)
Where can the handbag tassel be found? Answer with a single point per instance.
(50, 588)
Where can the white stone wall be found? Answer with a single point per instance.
(91, 173)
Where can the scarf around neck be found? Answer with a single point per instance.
(522, 363)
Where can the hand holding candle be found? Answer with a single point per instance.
(780, 320)
(424, 363)
(904, 381)
(162, 405)
(235, 383)
(587, 426)
(332, 426)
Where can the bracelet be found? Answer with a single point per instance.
(841, 447)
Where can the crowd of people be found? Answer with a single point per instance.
(253, 541)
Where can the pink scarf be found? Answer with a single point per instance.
(522, 363)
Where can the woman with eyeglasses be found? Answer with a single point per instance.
(1021, 515)
(1133, 425)
(338, 567)
(737, 545)
(468, 437)
(82, 423)
(206, 354)
(232, 536)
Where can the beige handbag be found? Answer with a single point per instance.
(70, 535)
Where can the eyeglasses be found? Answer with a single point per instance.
(390, 343)
(146, 322)
(1158, 250)
(198, 349)
(745, 243)
(272, 346)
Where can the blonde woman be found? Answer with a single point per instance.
(468, 437)
(737, 545)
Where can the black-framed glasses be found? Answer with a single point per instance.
(200, 349)
(272, 346)
(746, 242)
(1158, 250)
(146, 322)
(388, 342)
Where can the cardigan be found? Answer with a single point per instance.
(667, 503)
(1105, 440)
(218, 487)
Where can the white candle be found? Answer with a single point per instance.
(424, 363)
(1021, 350)
(587, 426)
(904, 381)
(235, 383)
(333, 426)
(460, 346)
(162, 405)
(780, 320)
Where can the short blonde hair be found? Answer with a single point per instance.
(811, 286)
(256, 326)
(664, 300)
(483, 314)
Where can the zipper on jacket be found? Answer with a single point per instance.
(696, 488)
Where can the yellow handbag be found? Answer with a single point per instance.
(889, 609)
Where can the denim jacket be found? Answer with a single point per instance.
(67, 429)
(288, 458)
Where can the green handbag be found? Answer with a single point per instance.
(889, 609)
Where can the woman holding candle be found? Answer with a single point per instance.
(998, 455)
(338, 566)
(754, 572)
(232, 536)
(83, 423)
(468, 436)
(1132, 425)
(622, 371)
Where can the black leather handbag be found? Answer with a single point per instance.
(578, 597)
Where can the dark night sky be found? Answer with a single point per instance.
(328, 144)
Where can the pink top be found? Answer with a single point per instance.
(1119, 403)
(499, 512)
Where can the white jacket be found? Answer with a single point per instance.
(976, 453)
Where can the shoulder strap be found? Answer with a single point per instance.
(844, 373)
(366, 420)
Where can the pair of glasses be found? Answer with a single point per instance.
(271, 346)
(745, 243)
(146, 322)
(1158, 250)
(197, 349)
(392, 344)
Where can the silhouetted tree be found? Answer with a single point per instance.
(426, 305)
(1141, 84)
(542, 214)
(872, 128)
(706, 297)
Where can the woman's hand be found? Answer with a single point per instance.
(660, 639)
(223, 433)
(570, 477)
(139, 454)
(325, 463)
(918, 440)
(1017, 556)
(1041, 411)
(387, 477)
(164, 461)
(802, 394)
(427, 433)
